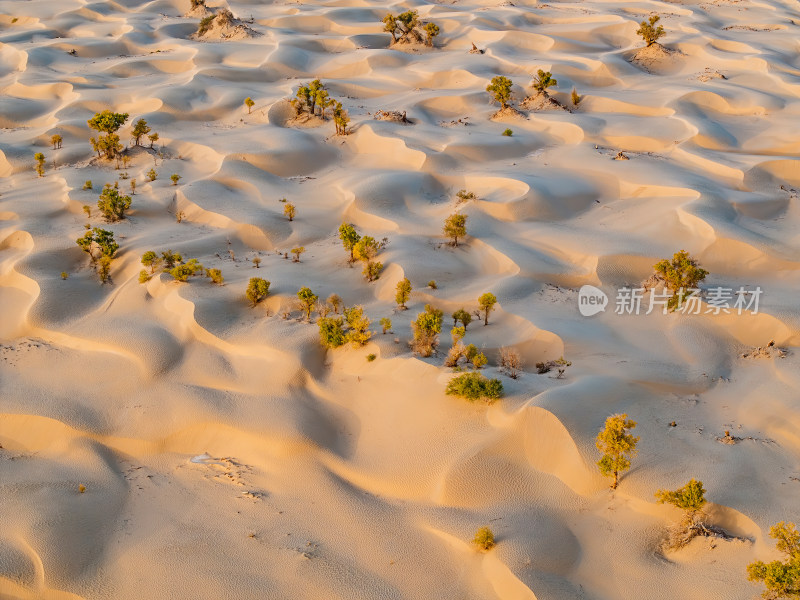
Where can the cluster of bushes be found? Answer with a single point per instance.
(352, 327)
(101, 247)
(364, 249)
(314, 99)
(407, 28)
(172, 263)
(107, 123)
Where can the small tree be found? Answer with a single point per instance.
(403, 292)
(386, 324)
(365, 250)
(297, 252)
(689, 498)
(335, 302)
(186, 270)
(152, 175)
(780, 577)
(679, 274)
(152, 260)
(426, 328)
(465, 196)
(113, 204)
(308, 300)
(56, 140)
(617, 445)
(331, 331)
(542, 81)
(87, 185)
(256, 262)
(104, 268)
(289, 211)
(153, 137)
(455, 226)
(649, 32)
(358, 333)
(463, 316)
(500, 90)
(576, 98)
(215, 275)
(484, 539)
(340, 119)
(248, 102)
(140, 129)
(175, 178)
(133, 187)
(510, 362)
(171, 259)
(507, 133)
(479, 360)
(487, 302)
(144, 276)
(39, 163)
(257, 290)
(474, 386)
(107, 123)
(349, 237)
(431, 31)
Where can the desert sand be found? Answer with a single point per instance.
(223, 453)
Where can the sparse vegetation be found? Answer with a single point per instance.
(510, 362)
(101, 247)
(64, 275)
(113, 204)
(649, 32)
(486, 303)
(39, 157)
(171, 259)
(386, 324)
(462, 316)
(205, 24)
(335, 302)
(87, 185)
(358, 333)
(140, 129)
(406, 28)
(455, 226)
(690, 498)
(575, 97)
(680, 274)
(508, 133)
(465, 196)
(248, 102)
(308, 300)
(371, 357)
(257, 290)
(366, 250)
(289, 211)
(474, 387)
(152, 260)
(403, 292)
(780, 577)
(188, 269)
(618, 446)
(56, 140)
(152, 175)
(153, 137)
(484, 539)
(215, 275)
(311, 97)
(107, 123)
(331, 331)
(426, 328)
(297, 252)
(144, 276)
(500, 90)
(341, 119)
(256, 262)
(349, 237)
(542, 81)
(175, 178)
(432, 284)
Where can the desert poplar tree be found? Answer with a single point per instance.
(618, 446)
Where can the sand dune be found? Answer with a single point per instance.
(166, 439)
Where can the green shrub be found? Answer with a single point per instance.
(371, 357)
(484, 539)
(107, 122)
(307, 300)
(426, 328)
(432, 284)
(175, 178)
(781, 577)
(289, 210)
(500, 90)
(331, 331)
(403, 292)
(358, 333)
(64, 275)
(386, 324)
(474, 386)
(186, 270)
(257, 290)
(140, 129)
(113, 204)
(349, 237)
(543, 80)
(152, 175)
(690, 497)
(215, 275)
(248, 102)
(508, 133)
(617, 445)
(486, 303)
(88, 184)
(144, 276)
(39, 157)
(455, 226)
(649, 32)
(680, 274)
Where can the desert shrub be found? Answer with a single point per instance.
(432, 284)
(617, 445)
(365, 250)
(465, 196)
(297, 252)
(474, 386)
(341, 119)
(133, 187)
(256, 262)
(457, 334)
(455, 226)
(576, 98)
(561, 364)
(349, 237)
(257, 290)
(198, 3)
(462, 316)
(205, 24)
(470, 352)
(331, 331)
(98, 239)
(140, 129)
(113, 204)
(248, 102)
(649, 32)
(152, 175)
(104, 268)
(508, 133)
(510, 362)
(403, 292)
(153, 137)
(184, 271)
(455, 352)
(542, 81)
(39, 157)
(484, 539)
(780, 577)
(289, 211)
(431, 31)
(307, 300)
(171, 259)
(500, 90)
(310, 97)
(88, 184)
(144, 276)
(406, 27)
(386, 324)
(479, 360)
(335, 302)
(371, 357)
(690, 498)
(108, 123)
(56, 140)
(426, 328)
(486, 303)
(175, 178)
(358, 332)
(680, 274)
(152, 260)
(215, 275)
